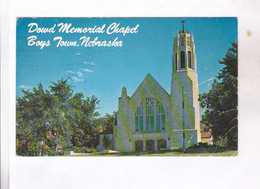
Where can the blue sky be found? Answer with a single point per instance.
(103, 71)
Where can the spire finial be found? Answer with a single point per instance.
(124, 93)
(183, 23)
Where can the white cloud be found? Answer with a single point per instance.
(80, 74)
(76, 79)
(89, 63)
(77, 54)
(87, 70)
(25, 87)
(69, 71)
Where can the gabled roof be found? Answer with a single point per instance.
(149, 83)
(206, 134)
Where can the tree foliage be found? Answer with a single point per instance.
(108, 122)
(220, 102)
(47, 119)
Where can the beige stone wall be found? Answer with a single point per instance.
(185, 85)
(182, 123)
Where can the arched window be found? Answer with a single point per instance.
(182, 59)
(176, 61)
(139, 126)
(189, 59)
(150, 116)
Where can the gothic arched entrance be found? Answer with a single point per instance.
(161, 144)
(139, 146)
(150, 145)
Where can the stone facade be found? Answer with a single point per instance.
(151, 119)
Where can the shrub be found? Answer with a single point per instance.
(78, 149)
(221, 141)
(203, 144)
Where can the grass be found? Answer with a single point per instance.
(193, 151)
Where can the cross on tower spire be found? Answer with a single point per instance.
(183, 23)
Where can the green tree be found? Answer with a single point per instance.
(107, 128)
(87, 123)
(48, 118)
(107, 143)
(220, 102)
(32, 120)
(108, 123)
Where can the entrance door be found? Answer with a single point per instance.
(161, 144)
(139, 146)
(150, 145)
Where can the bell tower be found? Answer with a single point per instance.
(184, 89)
(184, 52)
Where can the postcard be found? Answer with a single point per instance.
(126, 86)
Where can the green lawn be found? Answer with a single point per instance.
(199, 151)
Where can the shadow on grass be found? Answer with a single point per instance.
(208, 150)
(192, 151)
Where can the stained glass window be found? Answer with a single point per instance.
(150, 116)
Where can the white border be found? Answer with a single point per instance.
(130, 172)
(5, 134)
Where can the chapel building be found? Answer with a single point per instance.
(153, 120)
